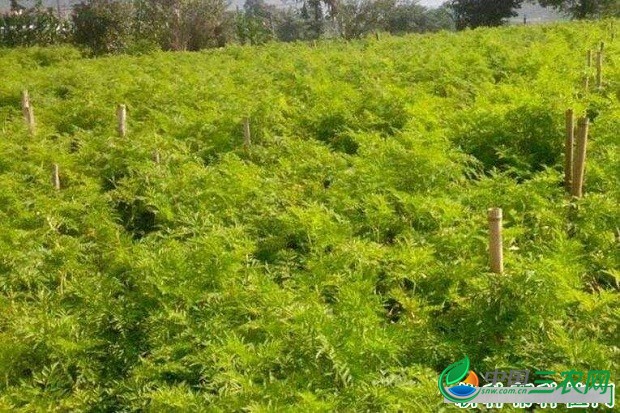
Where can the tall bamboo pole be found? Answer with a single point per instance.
(599, 69)
(28, 112)
(495, 240)
(56, 176)
(121, 116)
(580, 157)
(247, 137)
(568, 149)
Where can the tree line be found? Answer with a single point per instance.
(126, 26)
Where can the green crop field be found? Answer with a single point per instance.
(337, 262)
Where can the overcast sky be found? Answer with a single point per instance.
(432, 2)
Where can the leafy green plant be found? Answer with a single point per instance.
(337, 263)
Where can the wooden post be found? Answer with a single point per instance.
(62, 282)
(589, 58)
(599, 69)
(247, 138)
(495, 240)
(56, 176)
(156, 157)
(121, 115)
(28, 112)
(579, 164)
(568, 149)
(25, 99)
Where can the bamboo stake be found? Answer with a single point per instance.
(56, 176)
(28, 112)
(568, 149)
(247, 138)
(25, 99)
(495, 240)
(599, 69)
(121, 115)
(580, 157)
(62, 282)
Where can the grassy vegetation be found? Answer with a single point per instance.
(338, 264)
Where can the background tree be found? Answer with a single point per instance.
(182, 24)
(15, 7)
(355, 18)
(406, 18)
(137, 26)
(256, 24)
(31, 26)
(476, 13)
(581, 9)
(290, 26)
(313, 15)
(410, 17)
(103, 26)
(439, 18)
(204, 24)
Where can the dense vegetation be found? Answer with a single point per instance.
(339, 263)
(102, 27)
(136, 26)
(580, 9)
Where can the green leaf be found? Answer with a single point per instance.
(457, 371)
